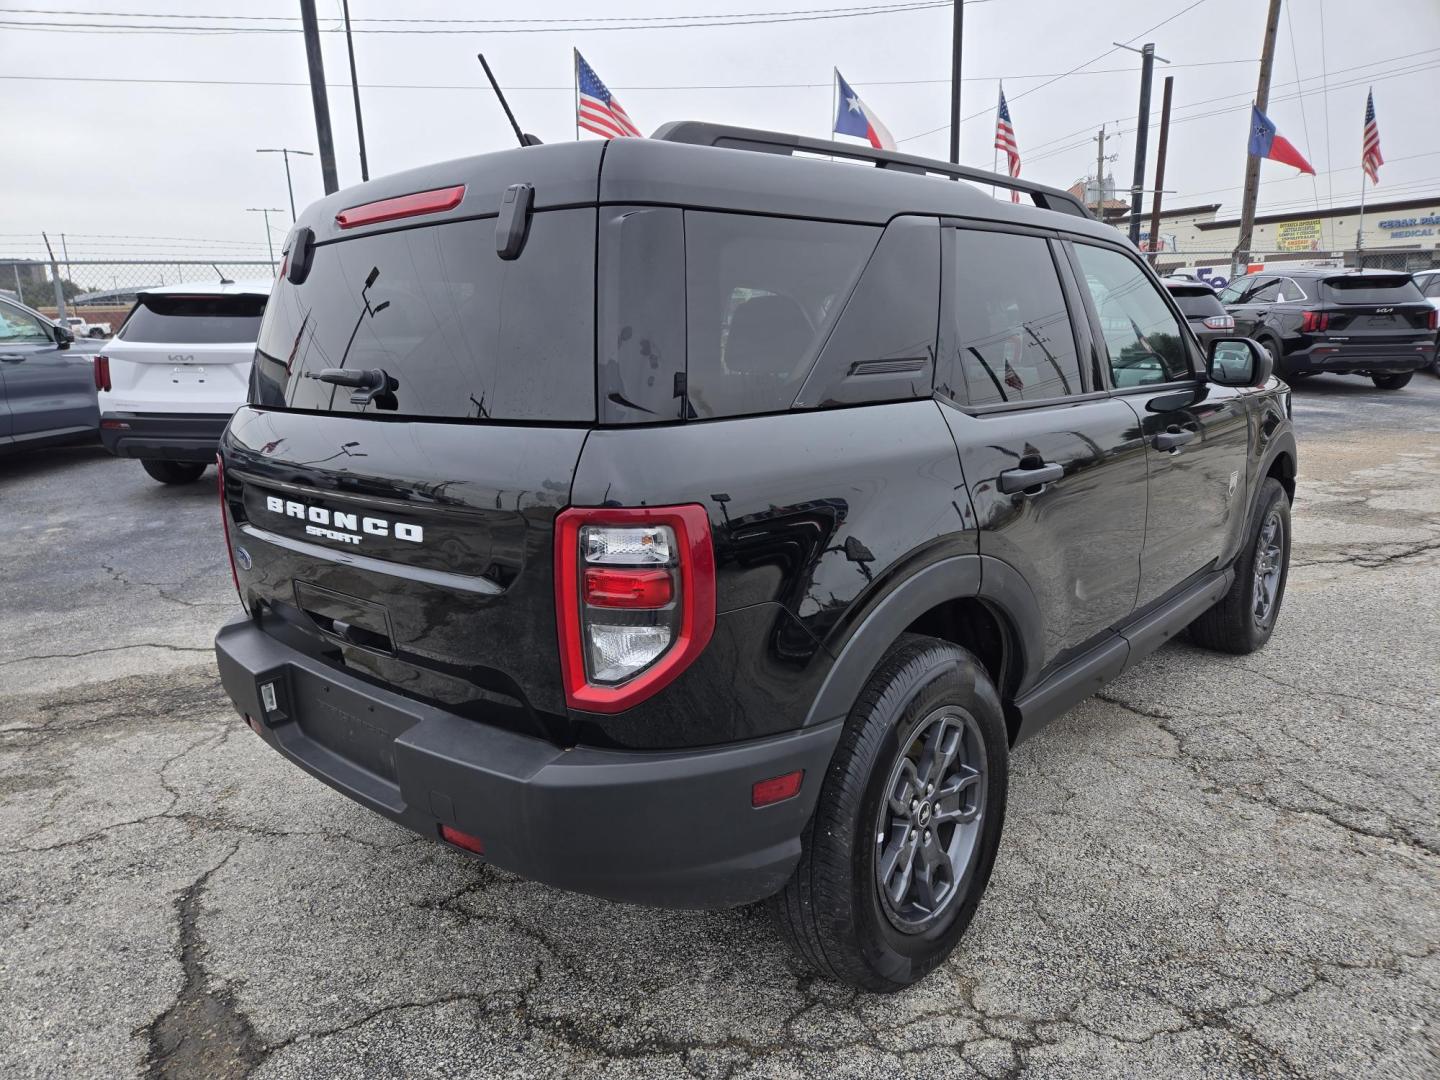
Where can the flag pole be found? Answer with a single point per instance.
(575, 98)
(1360, 229)
(995, 150)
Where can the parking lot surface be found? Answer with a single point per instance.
(1220, 866)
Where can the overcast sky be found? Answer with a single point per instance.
(117, 158)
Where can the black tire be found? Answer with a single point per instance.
(1235, 625)
(1392, 382)
(174, 472)
(831, 911)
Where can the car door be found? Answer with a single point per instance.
(47, 387)
(1253, 301)
(1016, 368)
(1197, 433)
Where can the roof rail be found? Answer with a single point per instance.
(700, 133)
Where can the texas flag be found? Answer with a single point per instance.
(1265, 143)
(855, 118)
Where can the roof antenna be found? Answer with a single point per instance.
(525, 139)
(223, 279)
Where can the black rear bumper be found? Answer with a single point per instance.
(163, 437)
(1345, 358)
(675, 829)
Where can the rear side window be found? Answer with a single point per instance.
(194, 320)
(761, 297)
(462, 332)
(1011, 338)
(1372, 289)
(1197, 302)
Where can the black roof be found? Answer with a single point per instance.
(714, 167)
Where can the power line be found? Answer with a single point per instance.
(569, 89)
(1067, 74)
(52, 26)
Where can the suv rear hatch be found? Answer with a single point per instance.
(1373, 310)
(407, 535)
(181, 352)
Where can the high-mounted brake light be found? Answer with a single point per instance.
(634, 600)
(102, 372)
(401, 206)
(1314, 321)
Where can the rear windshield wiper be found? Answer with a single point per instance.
(372, 385)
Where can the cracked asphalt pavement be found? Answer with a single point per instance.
(1223, 866)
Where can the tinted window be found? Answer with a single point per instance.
(1291, 290)
(1012, 335)
(18, 326)
(195, 320)
(463, 332)
(761, 296)
(1372, 289)
(1142, 335)
(1264, 292)
(883, 346)
(1432, 285)
(1232, 293)
(1197, 302)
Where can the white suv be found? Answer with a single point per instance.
(177, 369)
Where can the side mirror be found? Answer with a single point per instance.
(63, 335)
(1239, 362)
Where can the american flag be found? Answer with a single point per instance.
(1005, 140)
(1370, 159)
(599, 111)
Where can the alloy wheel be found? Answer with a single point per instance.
(1269, 562)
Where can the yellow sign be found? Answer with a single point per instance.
(1298, 235)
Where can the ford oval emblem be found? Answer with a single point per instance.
(242, 557)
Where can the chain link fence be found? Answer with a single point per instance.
(103, 292)
(1214, 266)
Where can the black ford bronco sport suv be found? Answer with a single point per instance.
(694, 520)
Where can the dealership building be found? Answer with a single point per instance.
(1400, 234)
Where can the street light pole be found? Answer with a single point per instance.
(311, 26)
(267, 211)
(285, 152)
(1142, 132)
(958, 35)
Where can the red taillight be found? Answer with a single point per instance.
(776, 789)
(1314, 322)
(402, 206)
(634, 600)
(102, 372)
(1433, 323)
(618, 588)
(462, 839)
(225, 527)
(1220, 322)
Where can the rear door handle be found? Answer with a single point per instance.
(1172, 438)
(1013, 480)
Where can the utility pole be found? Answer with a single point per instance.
(1142, 131)
(958, 35)
(355, 88)
(1100, 175)
(1252, 163)
(285, 151)
(1160, 166)
(267, 211)
(55, 276)
(318, 96)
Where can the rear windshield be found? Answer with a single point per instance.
(195, 320)
(1196, 301)
(1400, 289)
(461, 332)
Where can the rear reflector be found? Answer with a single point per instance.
(102, 372)
(462, 840)
(114, 425)
(619, 588)
(401, 206)
(777, 788)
